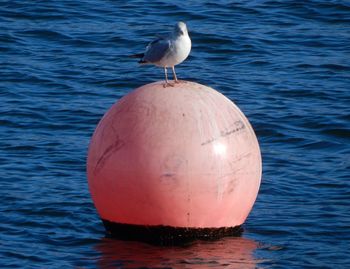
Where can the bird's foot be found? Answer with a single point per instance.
(168, 84)
(177, 81)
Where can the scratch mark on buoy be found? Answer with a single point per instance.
(238, 126)
(109, 151)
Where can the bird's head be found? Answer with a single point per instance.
(180, 29)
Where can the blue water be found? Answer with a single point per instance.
(286, 64)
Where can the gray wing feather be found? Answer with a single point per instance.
(156, 50)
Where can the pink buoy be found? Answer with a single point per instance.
(182, 157)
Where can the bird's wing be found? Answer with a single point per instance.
(156, 50)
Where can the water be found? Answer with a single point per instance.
(286, 64)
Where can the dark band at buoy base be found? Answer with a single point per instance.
(167, 235)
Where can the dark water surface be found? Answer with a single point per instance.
(286, 64)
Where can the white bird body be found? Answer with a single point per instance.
(179, 49)
(169, 51)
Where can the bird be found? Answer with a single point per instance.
(168, 51)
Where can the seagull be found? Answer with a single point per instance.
(168, 51)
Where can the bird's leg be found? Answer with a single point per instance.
(166, 75)
(166, 78)
(174, 74)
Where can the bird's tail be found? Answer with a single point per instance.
(139, 55)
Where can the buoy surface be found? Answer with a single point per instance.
(182, 156)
